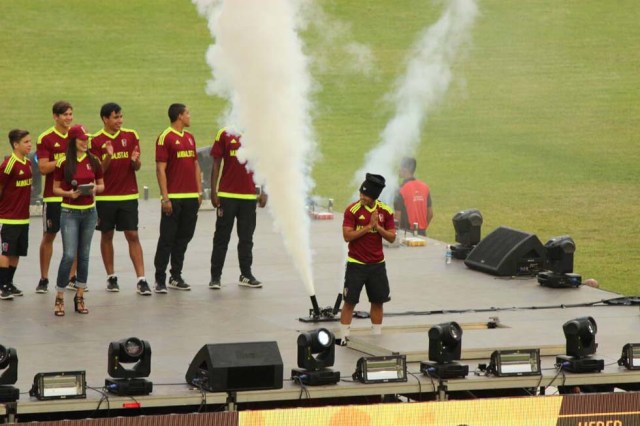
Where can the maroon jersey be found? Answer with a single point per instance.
(120, 178)
(368, 248)
(15, 178)
(235, 181)
(84, 174)
(52, 145)
(178, 150)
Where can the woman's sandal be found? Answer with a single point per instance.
(58, 309)
(78, 303)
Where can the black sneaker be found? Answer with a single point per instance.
(112, 284)
(143, 288)
(72, 284)
(178, 283)
(215, 284)
(42, 286)
(5, 294)
(249, 281)
(15, 290)
(160, 288)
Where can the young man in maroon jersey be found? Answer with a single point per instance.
(180, 182)
(15, 197)
(233, 194)
(51, 147)
(119, 152)
(413, 200)
(366, 222)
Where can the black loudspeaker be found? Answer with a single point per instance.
(231, 367)
(506, 252)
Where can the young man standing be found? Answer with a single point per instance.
(233, 194)
(51, 147)
(366, 222)
(119, 152)
(413, 200)
(179, 179)
(15, 197)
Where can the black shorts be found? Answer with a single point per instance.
(372, 276)
(14, 239)
(119, 215)
(51, 216)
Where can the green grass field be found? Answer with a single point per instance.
(538, 131)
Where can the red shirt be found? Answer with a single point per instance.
(15, 178)
(235, 181)
(368, 248)
(52, 146)
(120, 178)
(178, 150)
(84, 174)
(415, 200)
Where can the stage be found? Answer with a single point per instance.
(424, 291)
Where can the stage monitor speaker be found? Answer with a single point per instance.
(507, 252)
(231, 367)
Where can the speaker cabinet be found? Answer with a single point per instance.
(507, 252)
(231, 367)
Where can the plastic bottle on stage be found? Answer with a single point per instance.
(448, 255)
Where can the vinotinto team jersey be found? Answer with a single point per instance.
(368, 248)
(178, 150)
(120, 177)
(52, 145)
(235, 181)
(15, 178)
(85, 174)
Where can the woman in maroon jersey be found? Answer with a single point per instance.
(77, 178)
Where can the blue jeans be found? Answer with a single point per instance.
(76, 227)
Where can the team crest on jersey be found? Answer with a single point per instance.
(191, 141)
(124, 142)
(88, 166)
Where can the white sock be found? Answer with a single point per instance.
(376, 328)
(112, 276)
(345, 329)
(141, 279)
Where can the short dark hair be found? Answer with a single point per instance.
(175, 110)
(108, 108)
(61, 107)
(408, 163)
(16, 136)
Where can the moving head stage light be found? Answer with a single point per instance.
(129, 361)
(8, 375)
(316, 352)
(558, 264)
(467, 224)
(445, 347)
(580, 335)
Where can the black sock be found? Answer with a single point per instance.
(12, 272)
(4, 278)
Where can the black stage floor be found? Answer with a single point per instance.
(178, 324)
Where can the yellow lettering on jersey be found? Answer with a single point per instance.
(186, 153)
(120, 155)
(23, 182)
(59, 155)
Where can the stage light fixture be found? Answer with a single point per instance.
(316, 352)
(467, 224)
(445, 347)
(558, 264)
(580, 335)
(381, 369)
(630, 357)
(129, 361)
(59, 385)
(517, 362)
(8, 374)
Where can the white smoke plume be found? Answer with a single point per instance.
(421, 89)
(258, 64)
